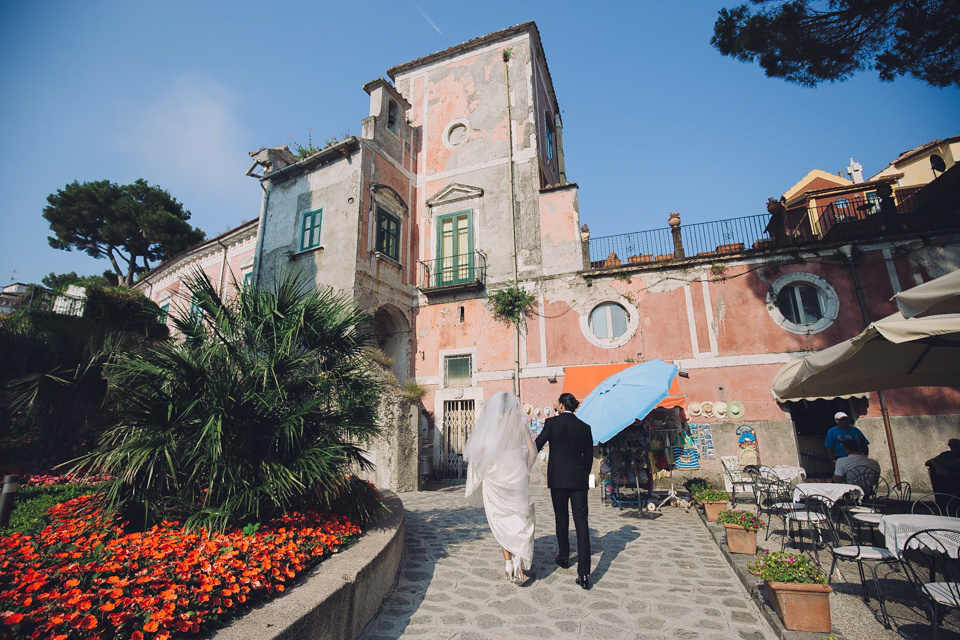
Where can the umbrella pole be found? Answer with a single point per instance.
(847, 250)
(886, 426)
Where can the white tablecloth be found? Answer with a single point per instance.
(831, 490)
(897, 528)
(785, 472)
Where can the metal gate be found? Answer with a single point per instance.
(458, 421)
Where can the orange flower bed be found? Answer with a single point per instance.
(78, 581)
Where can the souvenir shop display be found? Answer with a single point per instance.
(641, 454)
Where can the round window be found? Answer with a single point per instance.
(803, 303)
(608, 321)
(456, 133)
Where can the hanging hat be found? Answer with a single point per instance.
(695, 409)
(720, 409)
(735, 409)
(527, 409)
(547, 411)
(706, 408)
(536, 411)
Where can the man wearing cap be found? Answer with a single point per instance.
(844, 430)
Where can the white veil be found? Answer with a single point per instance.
(500, 443)
(499, 454)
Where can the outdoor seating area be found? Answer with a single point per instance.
(891, 558)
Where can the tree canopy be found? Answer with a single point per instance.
(811, 41)
(131, 225)
(60, 281)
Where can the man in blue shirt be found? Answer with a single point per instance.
(844, 430)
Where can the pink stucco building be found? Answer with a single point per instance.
(457, 187)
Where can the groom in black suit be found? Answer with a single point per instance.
(568, 471)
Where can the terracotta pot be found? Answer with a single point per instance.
(740, 540)
(713, 509)
(801, 607)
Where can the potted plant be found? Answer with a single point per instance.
(697, 485)
(741, 527)
(714, 501)
(797, 588)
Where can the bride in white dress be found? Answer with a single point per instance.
(499, 454)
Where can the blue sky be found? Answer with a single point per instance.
(177, 92)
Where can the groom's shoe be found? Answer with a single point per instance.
(584, 582)
(563, 562)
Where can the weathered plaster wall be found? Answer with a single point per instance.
(561, 247)
(336, 189)
(396, 453)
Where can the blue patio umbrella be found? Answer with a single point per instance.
(626, 396)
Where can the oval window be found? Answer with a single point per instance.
(800, 304)
(803, 303)
(608, 321)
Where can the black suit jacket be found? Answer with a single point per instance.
(571, 451)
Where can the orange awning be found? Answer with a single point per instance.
(581, 380)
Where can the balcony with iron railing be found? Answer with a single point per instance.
(461, 272)
(908, 211)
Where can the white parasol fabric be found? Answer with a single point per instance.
(939, 296)
(891, 353)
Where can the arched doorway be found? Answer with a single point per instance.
(393, 338)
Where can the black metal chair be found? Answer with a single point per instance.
(896, 498)
(931, 560)
(845, 546)
(736, 478)
(937, 504)
(775, 498)
(813, 515)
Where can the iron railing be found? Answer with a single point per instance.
(704, 238)
(461, 271)
(846, 219)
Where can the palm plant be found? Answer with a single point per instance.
(260, 410)
(52, 386)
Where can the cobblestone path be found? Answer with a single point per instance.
(657, 577)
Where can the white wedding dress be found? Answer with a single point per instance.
(499, 455)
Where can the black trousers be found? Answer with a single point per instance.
(577, 499)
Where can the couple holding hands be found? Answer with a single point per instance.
(500, 454)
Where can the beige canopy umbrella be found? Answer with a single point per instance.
(891, 353)
(941, 295)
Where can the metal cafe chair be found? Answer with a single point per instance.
(845, 546)
(897, 497)
(813, 515)
(937, 504)
(926, 555)
(735, 477)
(775, 498)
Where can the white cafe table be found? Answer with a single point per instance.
(897, 528)
(785, 472)
(832, 490)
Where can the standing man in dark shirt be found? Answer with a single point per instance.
(568, 472)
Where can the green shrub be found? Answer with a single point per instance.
(695, 485)
(787, 566)
(746, 519)
(29, 514)
(713, 495)
(263, 409)
(511, 304)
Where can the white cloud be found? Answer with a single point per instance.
(188, 140)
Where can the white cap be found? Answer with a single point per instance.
(840, 414)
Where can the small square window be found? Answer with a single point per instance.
(458, 371)
(310, 229)
(164, 312)
(388, 234)
(248, 279)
